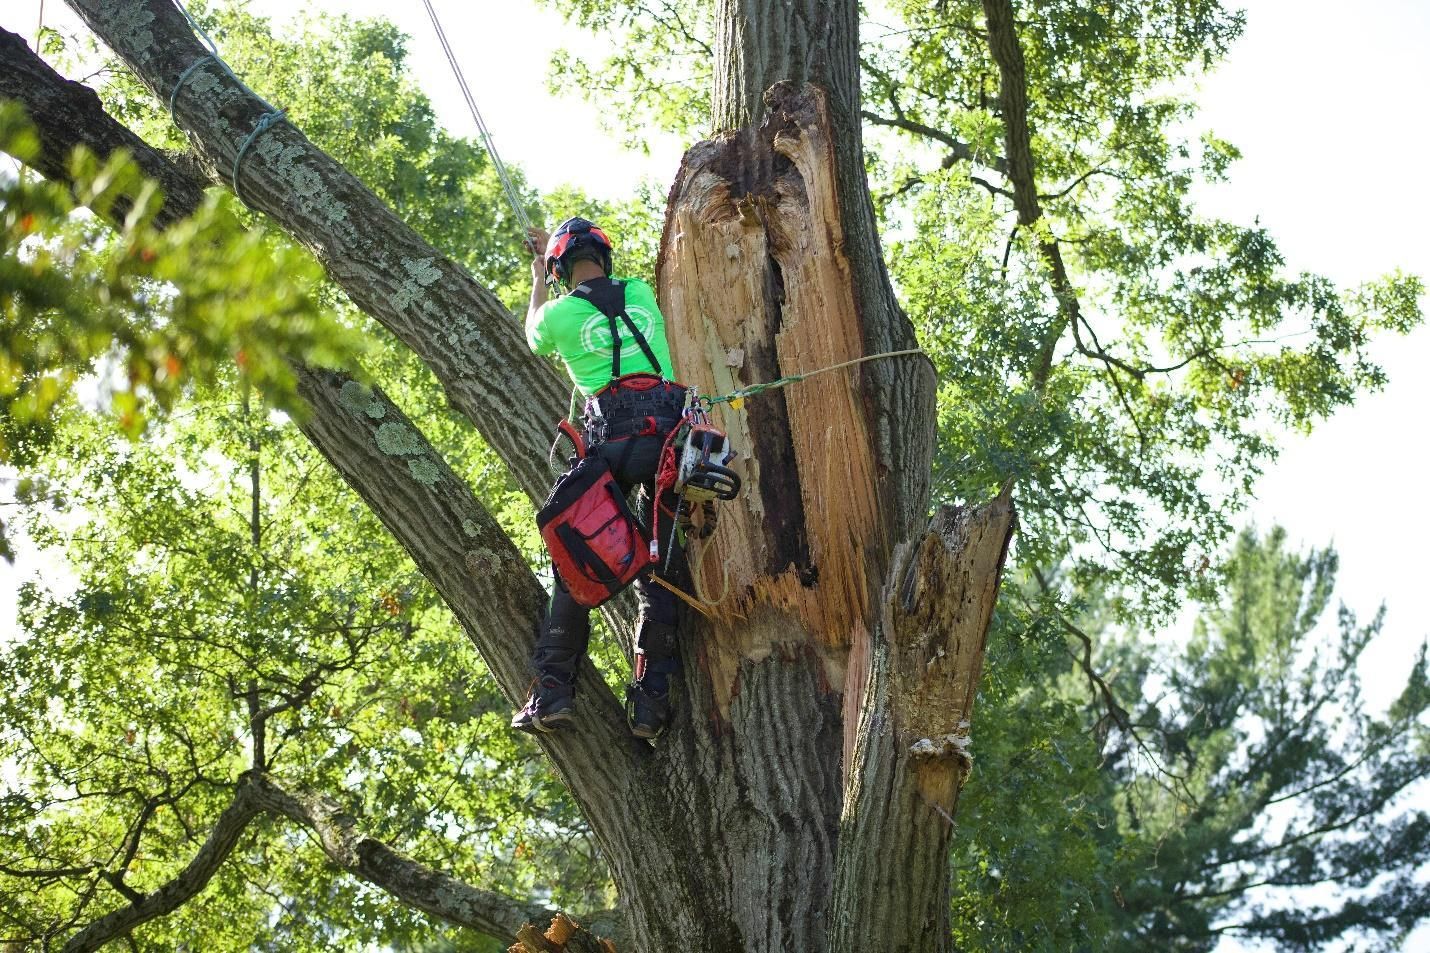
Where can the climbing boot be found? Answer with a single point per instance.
(647, 711)
(550, 706)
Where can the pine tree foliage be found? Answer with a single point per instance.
(1234, 784)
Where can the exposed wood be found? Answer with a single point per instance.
(372, 444)
(755, 284)
(913, 744)
(727, 834)
(763, 47)
(563, 936)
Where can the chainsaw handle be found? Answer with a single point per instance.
(722, 481)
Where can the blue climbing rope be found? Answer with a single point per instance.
(268, 120)
(179, 84)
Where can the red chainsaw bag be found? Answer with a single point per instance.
(595, 541)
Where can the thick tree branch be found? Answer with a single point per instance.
(410, 881)
(44, 873)
(465, 554)
(471, 342)
(58, 107)
(1013, 97)
(430, 510)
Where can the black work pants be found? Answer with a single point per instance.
(566, 630)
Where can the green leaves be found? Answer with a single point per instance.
(1154, 814)
(139, 315)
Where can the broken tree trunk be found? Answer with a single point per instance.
(835, 667)
(799, 800)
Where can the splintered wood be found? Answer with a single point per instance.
(938, 618)
(755, 285)
(563, 936)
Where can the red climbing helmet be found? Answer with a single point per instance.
(572, 235)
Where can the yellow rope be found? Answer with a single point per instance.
(737, 397)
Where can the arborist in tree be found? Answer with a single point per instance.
(611, 336)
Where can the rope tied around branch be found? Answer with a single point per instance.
(265, 122)
(270, 117)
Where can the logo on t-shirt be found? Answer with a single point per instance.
(596, 332)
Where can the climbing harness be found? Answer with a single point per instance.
(597, 545)
(270, 118)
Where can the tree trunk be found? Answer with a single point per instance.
(802, 798)
(833, 685)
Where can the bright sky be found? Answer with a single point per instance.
(1323, 98)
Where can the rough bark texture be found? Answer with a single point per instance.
(410, 881)
(799, 800)
(472, 344)
(370, 860)
(912, 748)
(59, 107)
(820, 634)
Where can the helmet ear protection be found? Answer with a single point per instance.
(571, 235)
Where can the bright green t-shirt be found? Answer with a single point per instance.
(578, 331)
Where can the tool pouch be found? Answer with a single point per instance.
(596, 543)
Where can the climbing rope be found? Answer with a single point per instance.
(270, 118)
(512, 196)
(179, 83)
(737, 397)
(265, 121)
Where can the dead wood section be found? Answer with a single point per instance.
(911, 751)
(755, 285)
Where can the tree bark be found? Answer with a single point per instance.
(372, 861)
(459, 329)
(912, 751)
(59, 107)
(845, 639)
(800, 800)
